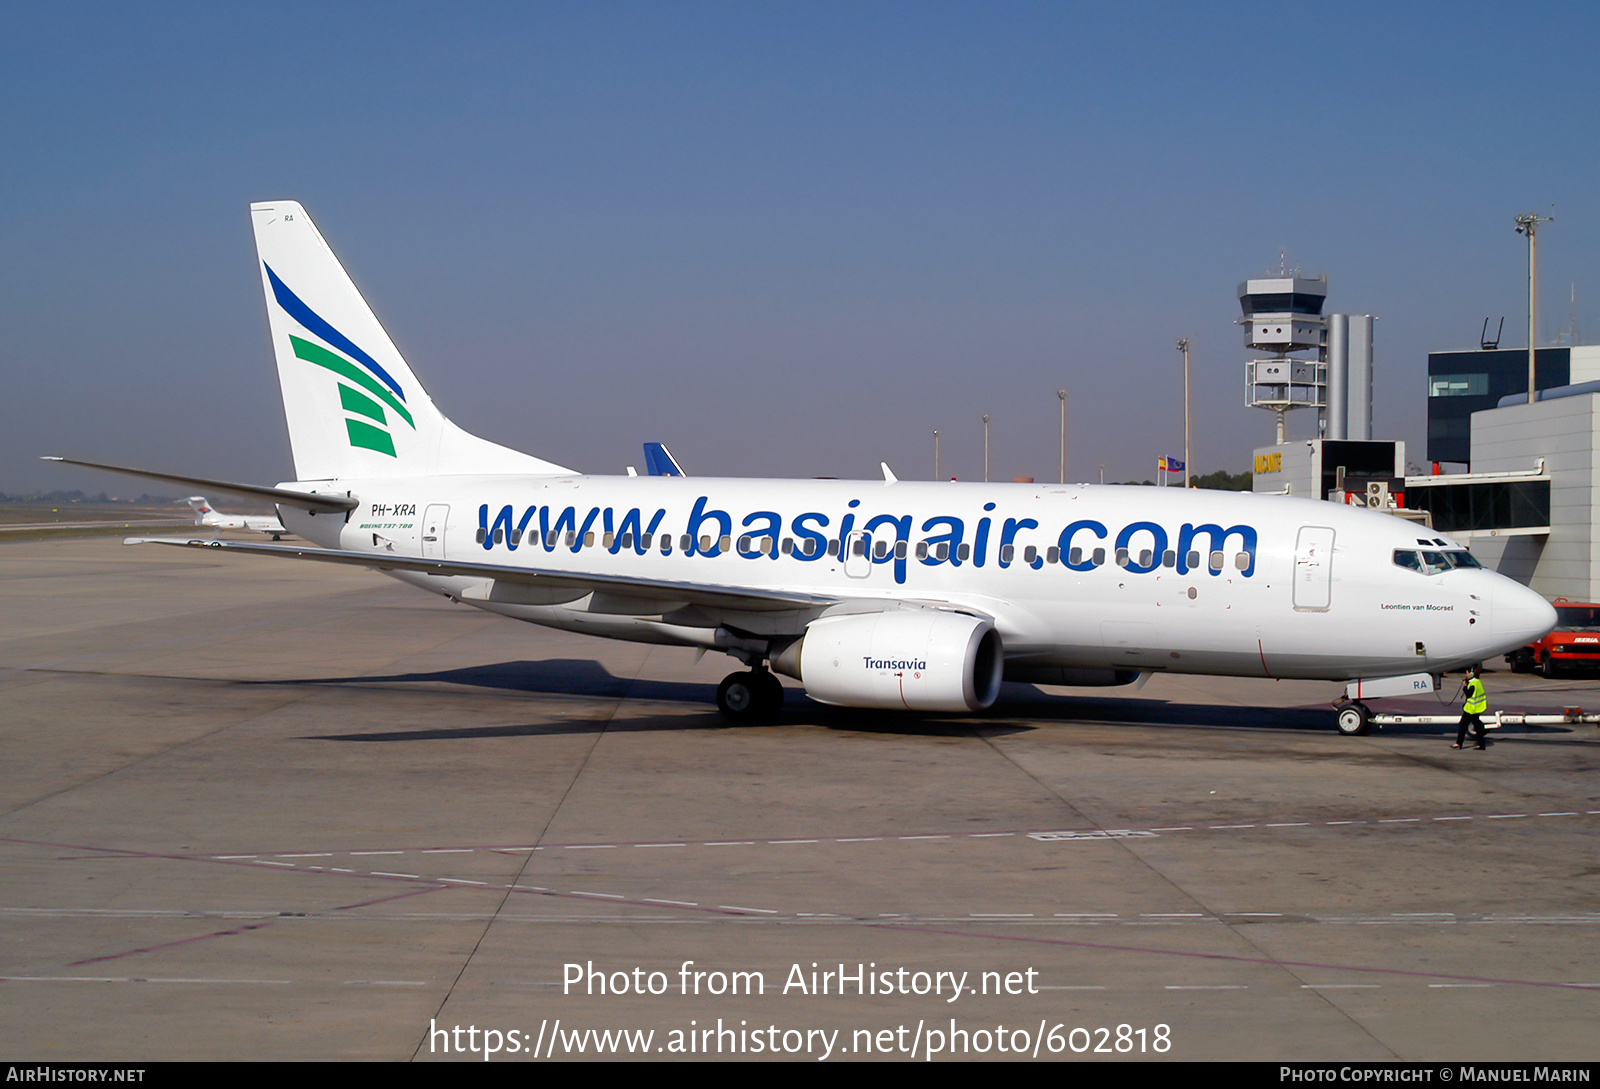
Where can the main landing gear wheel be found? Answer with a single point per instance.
(752, 696)
(1353, 719)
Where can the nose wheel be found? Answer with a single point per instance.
(752, 696)
(1354, 719)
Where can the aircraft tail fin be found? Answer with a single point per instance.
(354, 407)
(202, 509)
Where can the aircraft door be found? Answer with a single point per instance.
(1313, 569)
(433, 523)
(858, 555)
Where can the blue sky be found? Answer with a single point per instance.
(786, 239)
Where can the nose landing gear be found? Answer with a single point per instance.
(1354, 719)
(752, 696)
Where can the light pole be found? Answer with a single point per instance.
(936, 453)
(1061, 393)
(1183, 346)
(1527, 225)
(986, 448)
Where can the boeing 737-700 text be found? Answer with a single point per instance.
(887, 594)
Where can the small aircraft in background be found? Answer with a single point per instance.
(207, 515)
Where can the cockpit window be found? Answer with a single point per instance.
(1433, 561)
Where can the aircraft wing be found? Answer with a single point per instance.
(317, 504)
(694, 593)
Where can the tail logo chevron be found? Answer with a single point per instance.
(368, 424)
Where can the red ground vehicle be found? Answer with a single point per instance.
(1574, 645)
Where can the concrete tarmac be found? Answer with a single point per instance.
(262, 809)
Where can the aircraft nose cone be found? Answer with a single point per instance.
(1520, 614)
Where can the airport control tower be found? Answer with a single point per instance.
(1283, 315)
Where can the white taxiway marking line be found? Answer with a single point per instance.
(988, 835)
(660, 844)
(674, 903)
(1443, 985)
(377, 852)
(733, 843)
(461, 881)
(793, 841)
(1207, 987)
(1172, 915)
(385, 983)
(1398, 820)
(132, 979)
(603, 895)
(440, 851)
(1295, 824)
(731, 907)
(590, 846)
(924, 837)
(1000, 915)
(265, 862)
(319, 854)
(1569, 813)
(380, 873)
(1505, 816)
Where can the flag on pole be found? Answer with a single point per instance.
(1171, 465)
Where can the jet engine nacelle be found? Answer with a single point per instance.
(919, 660)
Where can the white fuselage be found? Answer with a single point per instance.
(1276, 587)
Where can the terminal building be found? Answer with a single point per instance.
(1529, 497)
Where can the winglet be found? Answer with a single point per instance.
(888, 473)
(658, 461)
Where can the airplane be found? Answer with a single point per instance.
(206, 515)
(889, 594)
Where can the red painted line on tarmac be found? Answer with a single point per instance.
(234, 932)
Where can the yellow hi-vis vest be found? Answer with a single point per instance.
(1477, 698)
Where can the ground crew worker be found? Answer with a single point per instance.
(1477, 703)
